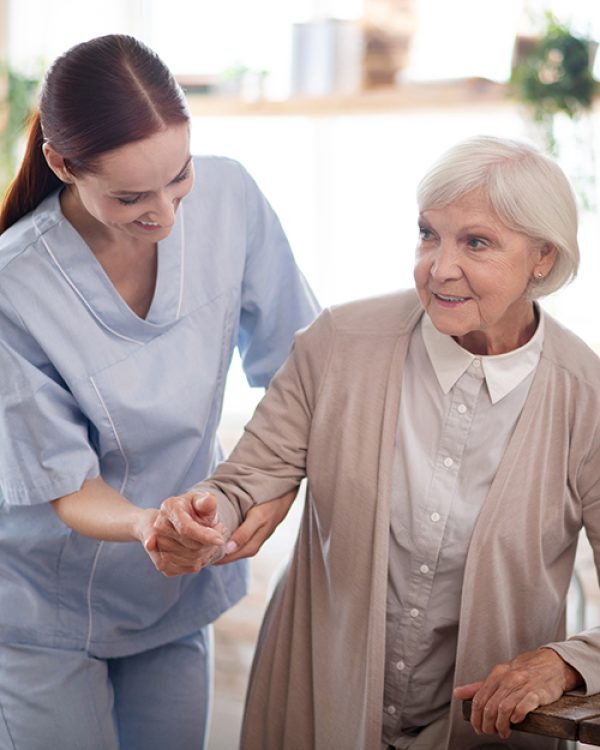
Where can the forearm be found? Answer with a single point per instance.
(100, 512)
(254, 474)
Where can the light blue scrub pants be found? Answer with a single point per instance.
(66, 700)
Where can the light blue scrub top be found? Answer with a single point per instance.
(87, 387)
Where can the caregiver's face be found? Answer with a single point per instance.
(135, 189)
(472, 273)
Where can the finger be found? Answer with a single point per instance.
(195, 545)
(241, 546)
(184, 555)
(478, 709)
(503, 716)
(258, 526)
(497, 711)
(154, 555)
(178, 510)
(486, 694)
(188, 530)
(466, 692)
(188, 564)
(489, 718)
(166, 566)
(246, 540)
(193, 539)
(528, 703)
(199, 557)
(170, 570)
(173, 565)
(476, 719)
(233, 553)
(163, 526)
(205, 507)
(201, 524)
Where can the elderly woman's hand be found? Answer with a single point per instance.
(260, 522)
(187, 535)
(512, 690)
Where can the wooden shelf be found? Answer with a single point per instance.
(467, 92)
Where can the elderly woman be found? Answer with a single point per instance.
(451, 441)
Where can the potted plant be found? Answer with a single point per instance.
(552, 74)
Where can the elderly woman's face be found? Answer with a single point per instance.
(472, 273)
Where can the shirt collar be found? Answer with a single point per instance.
(503, 372)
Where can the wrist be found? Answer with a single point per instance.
(142, 523)
(571, 677)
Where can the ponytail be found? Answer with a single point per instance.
(33, 182)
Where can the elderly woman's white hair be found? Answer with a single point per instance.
(528, 191)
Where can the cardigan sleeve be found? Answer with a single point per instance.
(582, 650)
(270, 457)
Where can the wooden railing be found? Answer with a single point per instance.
(572, 717)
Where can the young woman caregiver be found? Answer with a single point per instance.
(129, 271)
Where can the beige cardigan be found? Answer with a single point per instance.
(330, 414)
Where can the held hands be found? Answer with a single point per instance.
(184, 535)
(187, 535)
(512, 690)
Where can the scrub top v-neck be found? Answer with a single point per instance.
(91, 388)
(90, 281)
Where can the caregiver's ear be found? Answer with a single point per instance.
(56, 163)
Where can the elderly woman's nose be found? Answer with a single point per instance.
(445, 261)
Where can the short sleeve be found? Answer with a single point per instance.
(45, 451)
(276, 298)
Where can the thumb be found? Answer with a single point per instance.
(205, 506)
(466, 692)
(240, 537)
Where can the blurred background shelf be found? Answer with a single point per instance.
(465, 92)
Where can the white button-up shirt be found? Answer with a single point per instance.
(457, 413)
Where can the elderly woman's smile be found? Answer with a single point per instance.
(473, 272)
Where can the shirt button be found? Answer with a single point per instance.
(435, 517)
(461, 408)
(391, 710)
(414, 613)
(448, 462)
(400, 665)
(476, 363)
(424, 569)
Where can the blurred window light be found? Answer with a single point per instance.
(464, 38)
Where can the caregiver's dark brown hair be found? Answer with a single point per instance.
(97, 96)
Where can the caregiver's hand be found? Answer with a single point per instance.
(511, 690)
(260, 522)
(187, 534)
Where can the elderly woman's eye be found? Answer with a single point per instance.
(476, 243)
(425, 234)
